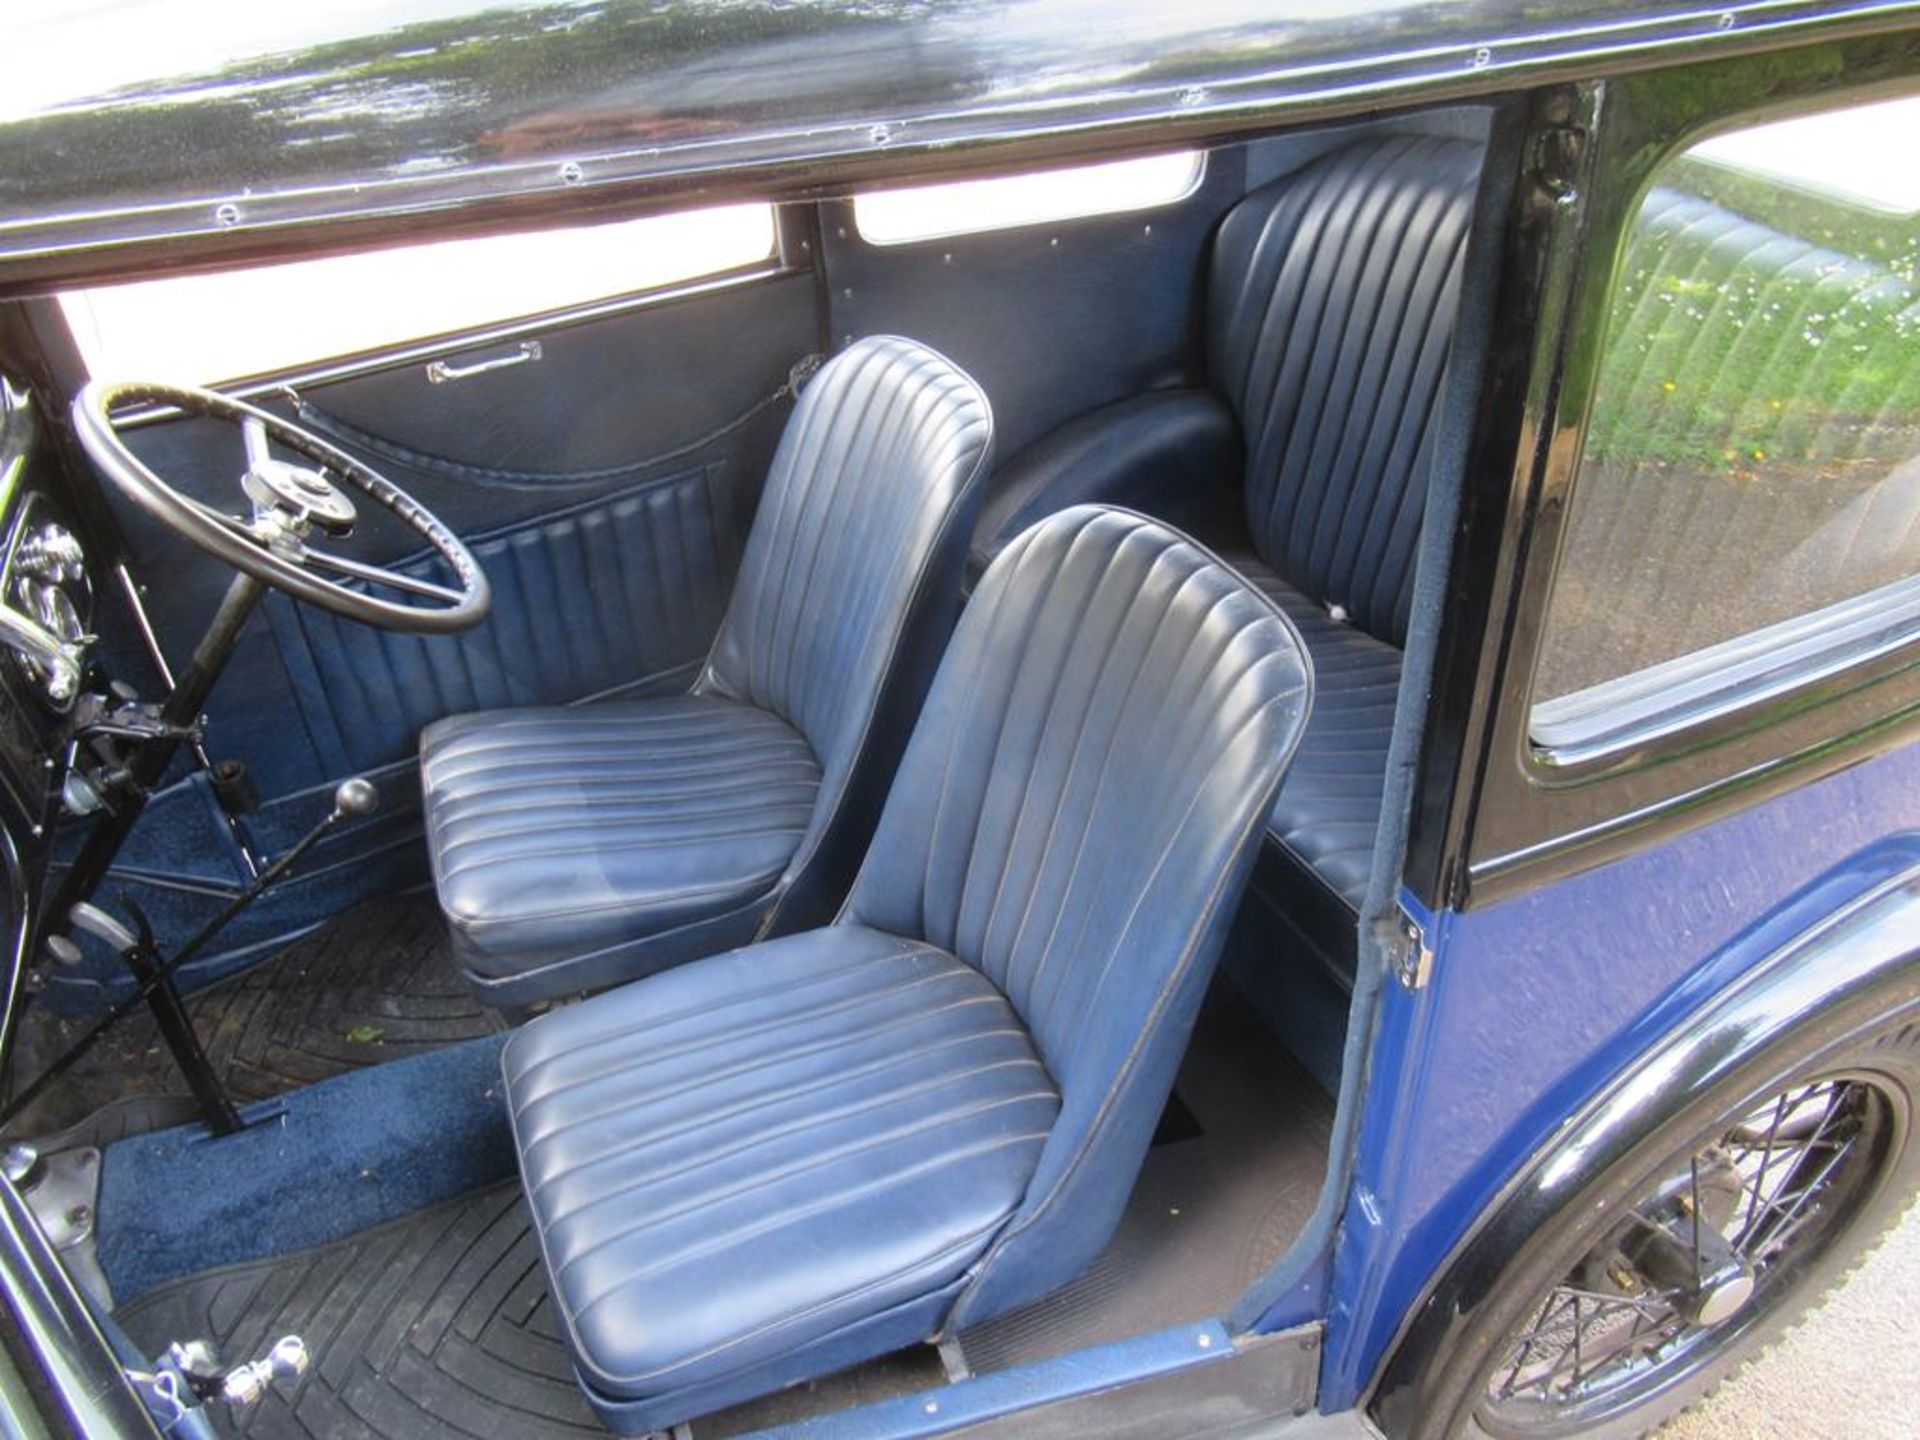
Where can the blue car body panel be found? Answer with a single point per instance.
(1537, 1002)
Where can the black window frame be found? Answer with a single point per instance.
(1512, 815)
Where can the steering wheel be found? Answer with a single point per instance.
(290, 503)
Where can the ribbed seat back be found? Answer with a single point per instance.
(1073, 818)
(867, 508)
(1331, 307)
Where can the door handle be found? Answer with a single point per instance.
(439, 372)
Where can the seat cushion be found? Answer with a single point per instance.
(1329, 804)
(557, 834)
(744, 1158)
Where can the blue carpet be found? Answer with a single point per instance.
(334, 1158)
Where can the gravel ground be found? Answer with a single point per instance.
(1847, 1372)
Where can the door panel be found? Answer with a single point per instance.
(620, 595)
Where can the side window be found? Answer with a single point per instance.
(1750, 484)
(1041, 197)
(200, 329)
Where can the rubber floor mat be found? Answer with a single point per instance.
(375, 984)
(435, 1327)
(1223, 1192)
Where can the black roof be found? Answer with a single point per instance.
(173, 144)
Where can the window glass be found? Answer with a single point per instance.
(1753, 452)
(199, 329)
(924, 212)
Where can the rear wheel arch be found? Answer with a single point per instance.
(1846, 987)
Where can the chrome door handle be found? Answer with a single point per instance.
(441, 371)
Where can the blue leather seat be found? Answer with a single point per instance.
(576, 848)
(1330, 307)
(771, 1164)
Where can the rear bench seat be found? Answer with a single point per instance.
(1329, 315)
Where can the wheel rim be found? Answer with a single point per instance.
(1704, 1251)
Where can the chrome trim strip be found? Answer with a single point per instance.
(1745, 675)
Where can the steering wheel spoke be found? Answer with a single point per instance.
(254, 432)
(375, 575)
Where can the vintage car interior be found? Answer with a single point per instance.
(424, 705)
(998, 634)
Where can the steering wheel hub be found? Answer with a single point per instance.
(304, 496)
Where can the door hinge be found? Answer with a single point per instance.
(1413, 951)
(1558, 151)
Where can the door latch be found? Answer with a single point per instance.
(1412, 951)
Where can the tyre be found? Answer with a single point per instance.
(1693, 1251)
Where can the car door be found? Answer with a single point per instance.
(1697, 732)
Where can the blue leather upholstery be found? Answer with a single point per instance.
(705, 1148)
(364, 694)
(1329, 315)
(848, 584)
(1175, 451)
(1329, 805)
(551, 826)
(770, 1164)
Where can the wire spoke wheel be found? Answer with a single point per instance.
(1700, 1255)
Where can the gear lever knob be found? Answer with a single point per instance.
(356, 797)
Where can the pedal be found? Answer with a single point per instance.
(233, 784)
(62, 951)
(102, 926)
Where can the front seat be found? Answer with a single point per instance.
(772, 1164)
(574, 848)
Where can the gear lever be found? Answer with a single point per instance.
(153, 976)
